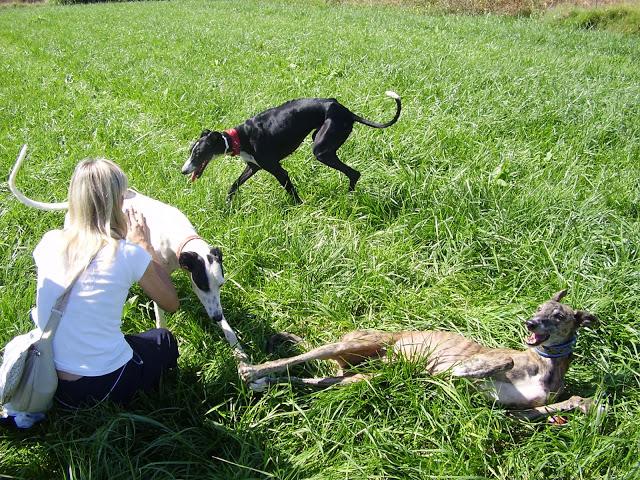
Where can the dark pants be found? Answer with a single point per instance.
(154, 352)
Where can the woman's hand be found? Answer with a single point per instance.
(138, 230)
(155, 281)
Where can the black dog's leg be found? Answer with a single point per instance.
(328, 139)
(281, 174)
(249, 171)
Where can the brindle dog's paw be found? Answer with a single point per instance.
(247, 372)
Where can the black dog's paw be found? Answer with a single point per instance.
(353, 180)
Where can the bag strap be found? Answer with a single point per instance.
(61, 304)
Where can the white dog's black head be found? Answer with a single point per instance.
(202, 151)
(207, 276)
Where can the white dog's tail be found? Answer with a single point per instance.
(20, 196)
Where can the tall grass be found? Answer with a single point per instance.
(512, 174)
(623, 18)
(503, 7)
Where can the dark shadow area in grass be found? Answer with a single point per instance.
(173, 431)
(253, 332)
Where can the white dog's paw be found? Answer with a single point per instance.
(260, 385)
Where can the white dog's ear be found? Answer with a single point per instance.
(559, 295)
(217, 254)
(188, 260)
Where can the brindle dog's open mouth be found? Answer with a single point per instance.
(536, 339)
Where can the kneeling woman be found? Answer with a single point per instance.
(94, 359)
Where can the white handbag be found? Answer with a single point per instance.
(28, 377)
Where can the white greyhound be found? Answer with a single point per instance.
(177, 244)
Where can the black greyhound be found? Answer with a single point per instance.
(264, 140)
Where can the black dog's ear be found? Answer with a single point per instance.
(559, 295)
(216, 136)
(205, 133)
(586, 319)
(187, 260)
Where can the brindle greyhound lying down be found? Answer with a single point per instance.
(528, 379)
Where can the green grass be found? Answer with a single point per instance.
(623, 18)
(512, 173)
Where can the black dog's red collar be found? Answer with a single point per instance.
(235, 141)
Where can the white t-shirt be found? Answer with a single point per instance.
(88, 341)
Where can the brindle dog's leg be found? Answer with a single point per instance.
(332, 351)
(321, 382)
(483, 365)
(573, 403)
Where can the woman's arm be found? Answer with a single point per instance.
(155, 281)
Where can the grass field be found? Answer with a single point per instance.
(512, 173)
(623, 18)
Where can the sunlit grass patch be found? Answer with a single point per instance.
(511, 174)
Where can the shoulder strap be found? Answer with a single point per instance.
(61, 304)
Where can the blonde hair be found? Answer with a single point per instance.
(96, 219)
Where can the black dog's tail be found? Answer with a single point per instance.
(369, 123)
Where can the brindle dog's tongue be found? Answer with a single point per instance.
(535, 339)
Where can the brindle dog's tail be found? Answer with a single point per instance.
(20, 196)
(369, 123)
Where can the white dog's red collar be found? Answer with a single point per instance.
(184, 242)
(235, 141)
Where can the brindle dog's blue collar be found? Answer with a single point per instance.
(557, 351)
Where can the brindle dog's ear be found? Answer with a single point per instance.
(586, 319)
(559, 296)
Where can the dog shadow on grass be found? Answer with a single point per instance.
(205, 400)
